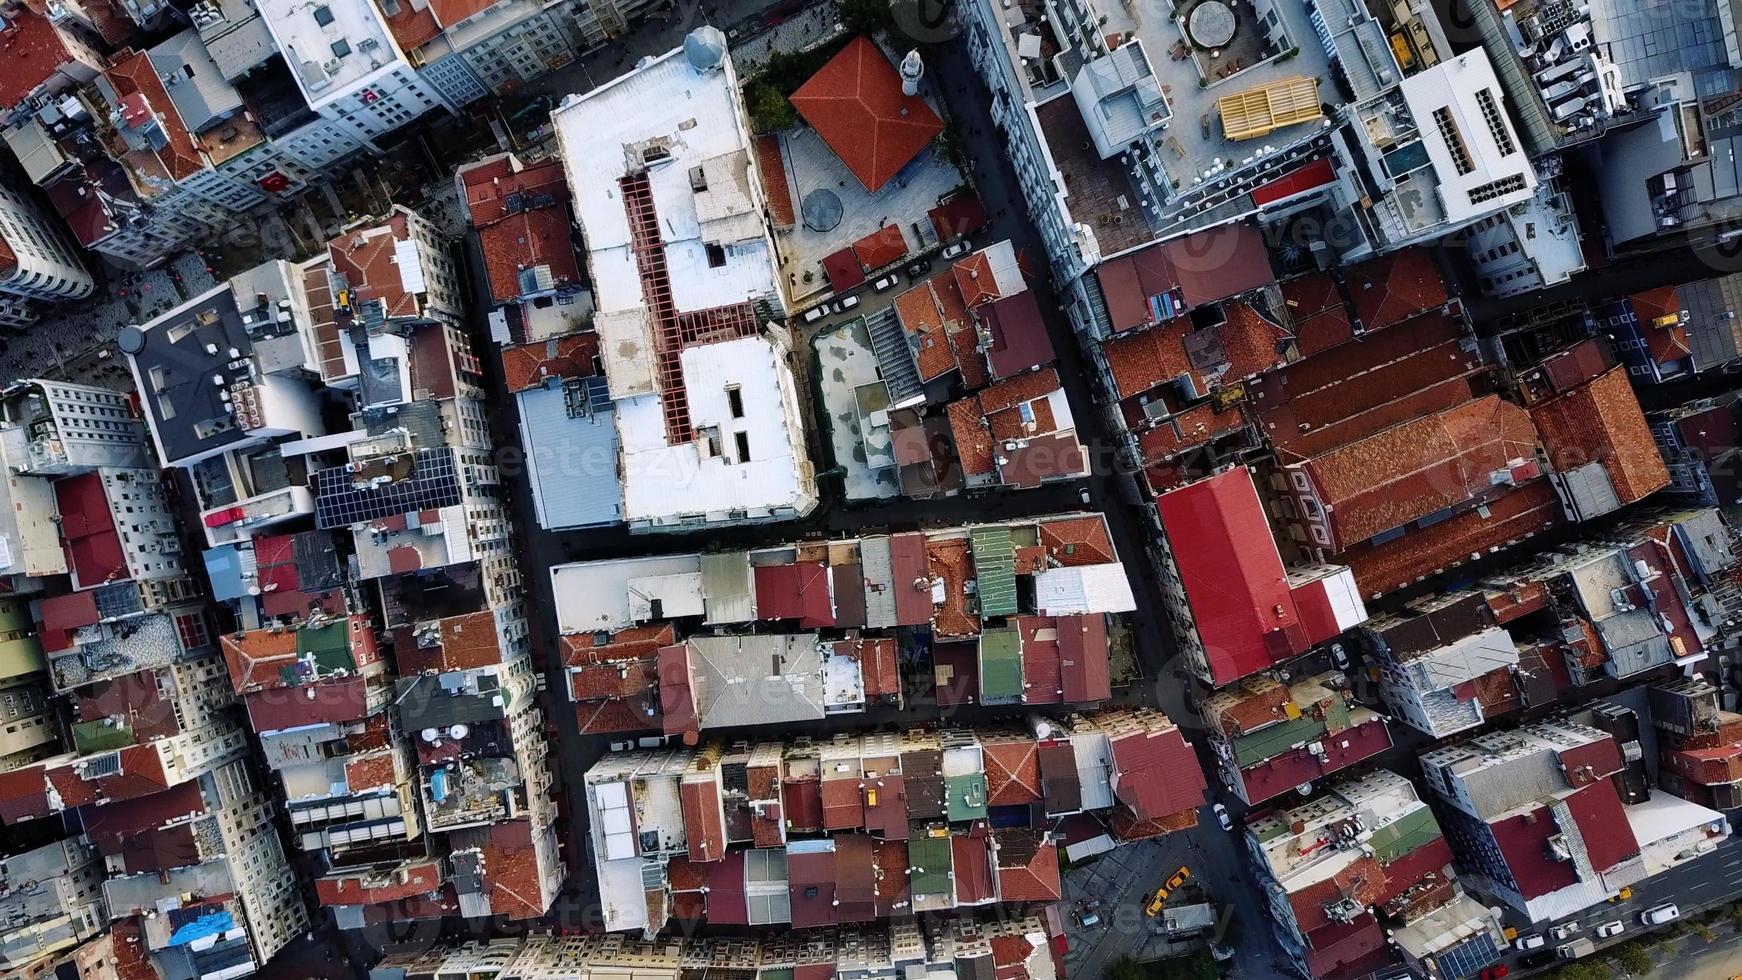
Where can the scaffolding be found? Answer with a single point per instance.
(1260, 111)
(662, 318)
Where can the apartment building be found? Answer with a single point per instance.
(708, 430)
(1362, 863)
(37, 261)
(52, 900)
(1272, 736)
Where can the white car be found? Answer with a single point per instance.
(846, 303)
(1608, 929)
(960, 246)
(1660, 915)
(1532, 941)
(886, 283)
(1564, 930)
(1222, 817)
(815, 313)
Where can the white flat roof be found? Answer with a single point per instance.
(1664, 816)
(595, 595)
(662, 481)
(307, 44)
(695, 118)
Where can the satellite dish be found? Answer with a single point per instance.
(457, 732)
(430, 735)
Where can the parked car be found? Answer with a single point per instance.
(815, 313)
(846, 303)
(1532, 940)
(1495, 972)
(1563, 930)
(886, 283)
(1179, 877)
(960, 246)
(1089, 921)
(1222, 817)
(1660, 915)
(1608, 929)
(1621, 896)
(917, 268)
(1152, 908)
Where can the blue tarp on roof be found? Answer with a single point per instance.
(224, 568)
(210, 924)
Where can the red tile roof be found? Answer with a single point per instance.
(411, 26)
(1197, 426)
(972, 861)
(33, 51)
(856, 105)
(973, 441)
(1199, 268)
(918, 310)
(880, 248)
(949, 560)
(803, 801)
(530, 365)
(1601, 422)
(771, 169)
(842, 269)
(1510, 518)
(344, 699)
(1041, 683)
(961, 215)
(796, 591)
(1028, 866)
(1420, 468)
(1019, 339)
(133, 76)
(1141, 361)
(527, 240)
(908, 562)
(1220, 540)
(1387, 291)
(842, 807)
(1022, 388)
(511, 875)
(1279, 774)
(1012, 771)
(88, 533)
(1077, 540)
(1156, 773)
(1083, 658)
(451, 12)
(704, 822)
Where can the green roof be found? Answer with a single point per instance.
(1273, 740)
(1000, 665)
(930, 859)
(995, 567)
(1414, 829)
(330, 645)
(965, 797)
(100, 736)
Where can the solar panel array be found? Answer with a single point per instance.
(433, 483)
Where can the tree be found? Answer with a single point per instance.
(770, 112)
(1591, 969)
(1633, 958)
(951, 149)
(867, 16)
(1123, 968)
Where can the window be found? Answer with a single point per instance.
(1496, 122)
(323, 15)
(743, 440)
(1454, 140)
(735, 401)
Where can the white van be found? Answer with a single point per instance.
(1660, 915)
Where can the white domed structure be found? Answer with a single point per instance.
(705, 47)
(912, 70)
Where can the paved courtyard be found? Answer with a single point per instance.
(904, 201)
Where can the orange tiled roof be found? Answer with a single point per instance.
(1022, 388)
(949, 560)
(1140, 361)
(529, 365)
(33, 51)
(856, 105)
(133, 74)
(1512, 517)
(1418, 468)
(973, 441)
(1077, 541)
(1196, 426)
(771, 169)
(917, 309)
(1601, 422)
